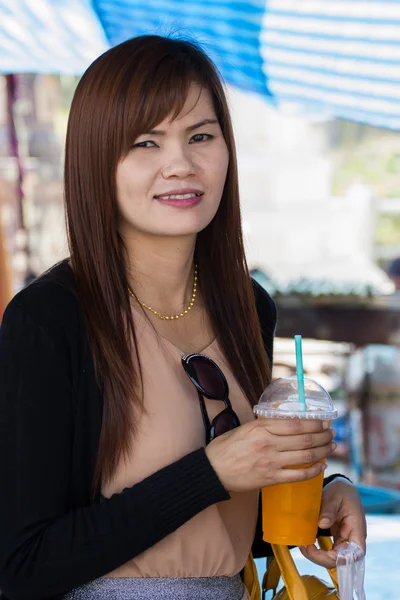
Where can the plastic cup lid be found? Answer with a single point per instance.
(281, 400)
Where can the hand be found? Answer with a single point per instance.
(254, 455)
(342, 512)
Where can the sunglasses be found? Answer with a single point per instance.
(210, 382)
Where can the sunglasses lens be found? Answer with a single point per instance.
(208, 377)
(224, 422)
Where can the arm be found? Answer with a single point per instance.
(46, 546)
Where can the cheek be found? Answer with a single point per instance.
(129, 184)
(122, 182)
(128, 196)
(214, 165)
(222, 163)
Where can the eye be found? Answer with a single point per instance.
(146, 144)
(201, 137)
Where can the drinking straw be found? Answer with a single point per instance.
(300, 372)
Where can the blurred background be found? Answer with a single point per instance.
(314, 88)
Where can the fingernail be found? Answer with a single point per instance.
(333, 432)
(325, 425)
(333, 446)
(324, 522)
(324, 466)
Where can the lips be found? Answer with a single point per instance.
(184, 194)
(180, 199)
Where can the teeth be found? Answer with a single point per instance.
(179, 196)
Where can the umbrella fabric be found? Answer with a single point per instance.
(229, 30)
(338, 56)
(49, 36)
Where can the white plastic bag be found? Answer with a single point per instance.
(350, 566)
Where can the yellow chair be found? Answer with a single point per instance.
(305, 587)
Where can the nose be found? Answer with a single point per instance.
(179, 164)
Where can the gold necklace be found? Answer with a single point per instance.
(163, 317)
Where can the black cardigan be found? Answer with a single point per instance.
(53, 537)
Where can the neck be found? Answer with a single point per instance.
(161, 270)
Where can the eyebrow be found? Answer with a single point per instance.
(190, 128)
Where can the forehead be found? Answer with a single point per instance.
(198, 106)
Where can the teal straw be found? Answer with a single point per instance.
(300, 372)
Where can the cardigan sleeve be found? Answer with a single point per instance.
(46, 547)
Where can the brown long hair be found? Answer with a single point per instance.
(130, 89)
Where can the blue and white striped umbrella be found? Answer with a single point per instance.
(229, 30)
(341, 57)
(49, 36)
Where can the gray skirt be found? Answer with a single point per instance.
(129, 588)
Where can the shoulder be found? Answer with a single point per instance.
(266, 307)
(50, 300)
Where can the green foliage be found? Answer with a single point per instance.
(388, 229)
(372, 158)
(315, 288)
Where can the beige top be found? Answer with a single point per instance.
(218, 540)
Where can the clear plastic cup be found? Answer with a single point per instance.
(291, 510)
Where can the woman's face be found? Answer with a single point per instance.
(171, 181)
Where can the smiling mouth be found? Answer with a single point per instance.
(179, 196)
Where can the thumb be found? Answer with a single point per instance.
(328, 514)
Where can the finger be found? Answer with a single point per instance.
(323, 558)
(304, 441)
(329, 511)
(305, 457)
(294, 426)
(354, 530)
(293, 475)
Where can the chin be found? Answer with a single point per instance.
(183, 227)
(178, 232)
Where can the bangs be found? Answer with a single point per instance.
(162, 94)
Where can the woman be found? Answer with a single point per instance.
(130, 467)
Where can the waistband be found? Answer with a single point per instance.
(154, 588)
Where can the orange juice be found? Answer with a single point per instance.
(290, 512)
